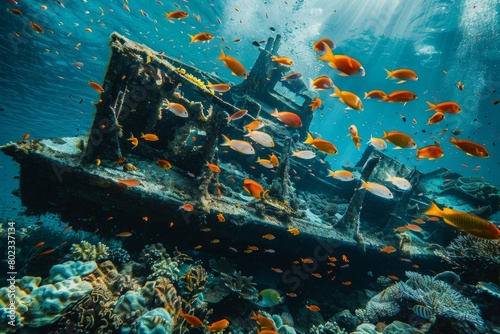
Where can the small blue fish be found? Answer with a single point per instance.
(269, 298)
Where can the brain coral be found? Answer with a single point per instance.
(42, 305)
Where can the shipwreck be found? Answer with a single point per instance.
(79, 177)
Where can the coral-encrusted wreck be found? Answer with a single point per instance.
(61, 174)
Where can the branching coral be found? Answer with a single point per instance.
(167, 268)
(470, 253)
(87, 252)
(240, 284)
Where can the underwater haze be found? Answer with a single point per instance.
(51, 50)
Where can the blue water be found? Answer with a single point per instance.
(42, 91)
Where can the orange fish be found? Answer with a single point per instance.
(313, 308)
(240, 146)
(221, 218)
(317, 275)
(254, 125)
(436, 118)
(133, 140)
(316, 103)
(460, 85)
(293, 230)
(178, 14)
(26, 136)
(96, 86)
(319, 45)
(430, 152)
(394, 278)
(445, 107)
(46, 251)
(37, 28)
(121, 160)
(214, 241)
(351, 100)
(285, 61)
(198, 247)
(149, 136)
(403, 74)
(344, 258)
(342, 175)
(218, 326)
(124, 234)
(264, 323)
(375, 94)
(414, 228)
(220, 88)
(346, 283)
(288, 118)
(164, 164)
(418, 221)
(268, 236)
(401, 229)
(265, 162)
(332, 258)
(471, 148)
(344, 64)
(186, 207)
(205, 229)
(292, 76)
(467, 222)
(40, 244)
(235, 66)
(213, 167)
(201, 37)
(307, 260)
(16, 11)
(400, 139)
(278, 270)
(291, 294)
(321, 144)
(253, 248)
(177, 109)
(98, 162)
(356, 139)
(321, 83)
(403, 96)
(130, 182)
(145, 218)
(388, 249)
(192, 320)
(274, 160)
(67, 228)
(254, 189)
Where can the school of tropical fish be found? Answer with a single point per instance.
(329, 89)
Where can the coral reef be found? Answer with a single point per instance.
(327, 328)
(69, 269)
(167, 268)
(438, 297)
(398, 327)
(156, 321)
(119, 256)
(88, 252)
(39, 305)
(230, 280)
(471, 254)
